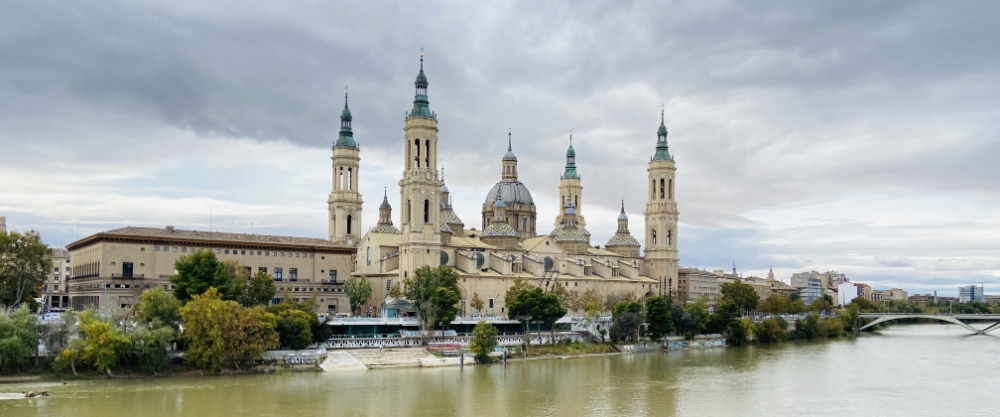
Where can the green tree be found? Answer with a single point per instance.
(25, 263)
(772, 330)
(522, 307)
(157, 307)
(821, 305)
(659, 317)
(201, 270)
(396, 291)
(483, 341)
(565, 297)
(775, 304)
(520, 284)
(444, 304)
(698, 316)
(477, 303)
(626, 306)
(104, 346)
(422, 289)
(149, 346)
(260, 291)
(320, 331)
(740, 331)
(741, 295)
(613, 299)
(294, 329)
(57, 334)
(18, 340)
(625, 327)
(549, 311)
(358, 290)
(218, 330)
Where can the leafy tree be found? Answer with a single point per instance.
(659, 317)
(18, 341)
(396, 291)
(775, 304)
(796, 306)
(741, 295)
(627, 306)
(477, 303)
(549, 311)
(358, 290)
(523, 306)
(625, 327)
(294, 330)
(149, 346)
(591, 300)
(828, 298)
(260, 291)
(157, 307)
(422, 288)
(25, 262)
(57, 334)
(320, 331)
(698, 316)
(565, 297)
(613, 299)
(772, 330)
(484, 339)
(821, 305)
(104, 346)
(201, 270)
(740, 331)
(217, 330)
(794, 296)
(444, 304)
(520, 284)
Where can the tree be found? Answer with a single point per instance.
(157, 307)
(18, 341)
(477, 303)
(199, 271)
(358, 290)
(821, 304)
(566, 298)
(698, 315)
(57, 334)
(104, 346)
(520, 284)
(260, 291)
(321, 332)
(772, 330)
(549, 311)
(423, 287)
(483, 341)
(625, 327)
(775, 304)
(217, 330)
(740, 294)
(444, 304)
(522, 307)
(396, 291)
(794, 296)
(659, 317)
(613, 299)
(626, 306)
(25, 263)
(294, 330)
(740, 331)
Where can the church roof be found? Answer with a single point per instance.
(619, 239)
(499, 229)
(512, 192)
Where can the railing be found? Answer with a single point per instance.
(113, 275)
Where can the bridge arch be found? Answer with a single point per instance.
(949, 319)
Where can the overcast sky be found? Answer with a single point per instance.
(855, 136)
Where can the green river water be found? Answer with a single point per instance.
(905, 370)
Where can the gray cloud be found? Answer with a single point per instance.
(770, 107)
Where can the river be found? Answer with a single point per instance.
(904, 370)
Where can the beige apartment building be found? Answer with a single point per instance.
(693, 283)
(111, 269)
(55, 291)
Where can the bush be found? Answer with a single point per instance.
(18, 341)
(484, 340)
(772, 330)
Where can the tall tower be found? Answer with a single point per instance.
(420, 243)
(570, 190)
(345, 200)
(661, 216)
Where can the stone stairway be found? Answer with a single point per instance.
(390, 358)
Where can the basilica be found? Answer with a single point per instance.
(508, 244)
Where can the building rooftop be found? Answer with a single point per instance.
(171, 233)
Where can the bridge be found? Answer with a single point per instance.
(957, 319)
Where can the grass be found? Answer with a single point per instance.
(574, 348)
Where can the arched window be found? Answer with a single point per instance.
(427, 211)
(654, 238)
(409, 212)
(549, 263)
(350, 180)
(416, 158)
(671, 189)
(368, 256)
(576, 202)
(427, 153)
(661, 187)
(349, 220)
(524, 224)
(670, 238)
(340, 178)
(652, 189)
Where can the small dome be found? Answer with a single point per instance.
(499, 202)
(346, 114)
(512, 192)
(570, 209)
(509, 156)
(622, 216)
(444, 188)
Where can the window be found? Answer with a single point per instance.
(248, 270)
(654, 237)
(524, 224)
(670, 189)
(57, 270)
(262, 269)
(56, 287)
(661, 187)
(427, 153)
(243, 252)
(388, 284)
(251, 253)
(669, 238)
(427, 211)
(368, 256)
(258, 253)
(184, 250)
(277, 274)
(333, 276)
(349, 219)
(156, 248)
(491, 303)
(312, 255)
(282, 254)
(175, 249)
(296, 255)
(227, 251)
(218, 251)
(126, 270)
(293, 274)
(267, 254)
(350, 186)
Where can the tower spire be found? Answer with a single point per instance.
(571, 160)
(662, 151)
(346, 137)
(421, 106)
(508, 140)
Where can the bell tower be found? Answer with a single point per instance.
(570, 188)
(420, 243)
(661, 216)
(345, 201)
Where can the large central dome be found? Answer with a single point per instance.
(512, 192)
